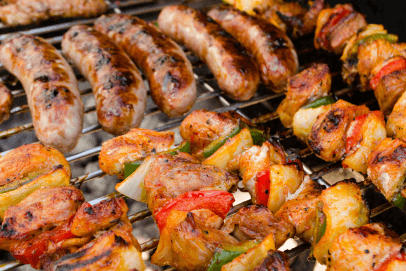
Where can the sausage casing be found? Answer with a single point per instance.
(271, 47)
(117, 84)
(235, 71)
(51, 88)
(168, 71)
(6, 101)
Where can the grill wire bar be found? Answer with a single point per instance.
(143, 7)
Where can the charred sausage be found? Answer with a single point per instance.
(235, 71)
(271, 47)
(168, 71)
(6, 101)
(119, 91)
(51, 88)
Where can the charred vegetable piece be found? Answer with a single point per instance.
(320, 102)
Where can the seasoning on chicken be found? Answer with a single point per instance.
(271, 47)
(22, 12)
(338, 209)
(363, 135)
(302, 89)
(396, 122)
(328, 135)
(133, 146)
(335, 26)
(6, 101)
(387, 167)
(363, 248)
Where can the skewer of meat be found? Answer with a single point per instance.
(51, 88)
(236, 72)
(21, 12)
(168, 71)
(117, 84)
(273, 50)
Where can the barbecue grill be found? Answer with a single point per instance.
(97, 186)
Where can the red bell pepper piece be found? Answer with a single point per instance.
(262, 187)
(29, 252)
(397, 65)
(219, 202)
(333, 20)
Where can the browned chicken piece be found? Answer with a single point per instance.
(295, 18)
(335, 26)
(339, 208)
(328, 136)
(170, 176)
(397, 262)
(202, 127)
(29, 161)
(22, 12)
(254, 160)
(275, 260)
(90, 219)
(349, 57)
(364, 248)
(116, 249)
(396, 123)
(371, 54)
(255, 222)
(133, 146)
(51, 88)
(118, 88)
(6, 101)
(271, 47)
(41, 211)
(304, 88)
(189, 240)
(387, 167)
(363, 136)
(300, 209)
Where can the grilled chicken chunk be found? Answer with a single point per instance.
(271, 47)
(254, 160)
(364, 134)
(255, 222)
(304, 88)
(170, 176)
(134, 145)
(41, 211)
(189, 240)
(202, 127)
(90, 219)
(275, 260)
(387, 167)
(116, 249)
(341, 207)
(364, 248)
(6, 101)
(396, 123)
(22, 12)
(371, 54)
(335, 26)
(29, 161)
(300, 209)
(328, 135)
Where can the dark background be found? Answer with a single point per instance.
(390, 13)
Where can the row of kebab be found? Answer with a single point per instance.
(187, 187)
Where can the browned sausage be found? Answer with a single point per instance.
(271, 47)
(236, 72)
(51, 88)
(6, 101)
(119, 91)
(168, 71)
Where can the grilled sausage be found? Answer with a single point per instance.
(51, 88)
(168, 71)
(6, 101)
(120, 93)
(22, 12)
(236, 73)
(271, 47)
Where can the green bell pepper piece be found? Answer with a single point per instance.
(216, 144)
(399, 201)
(258, 136)
(320, 102)
(389, 37)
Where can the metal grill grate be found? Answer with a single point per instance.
(209, 97)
